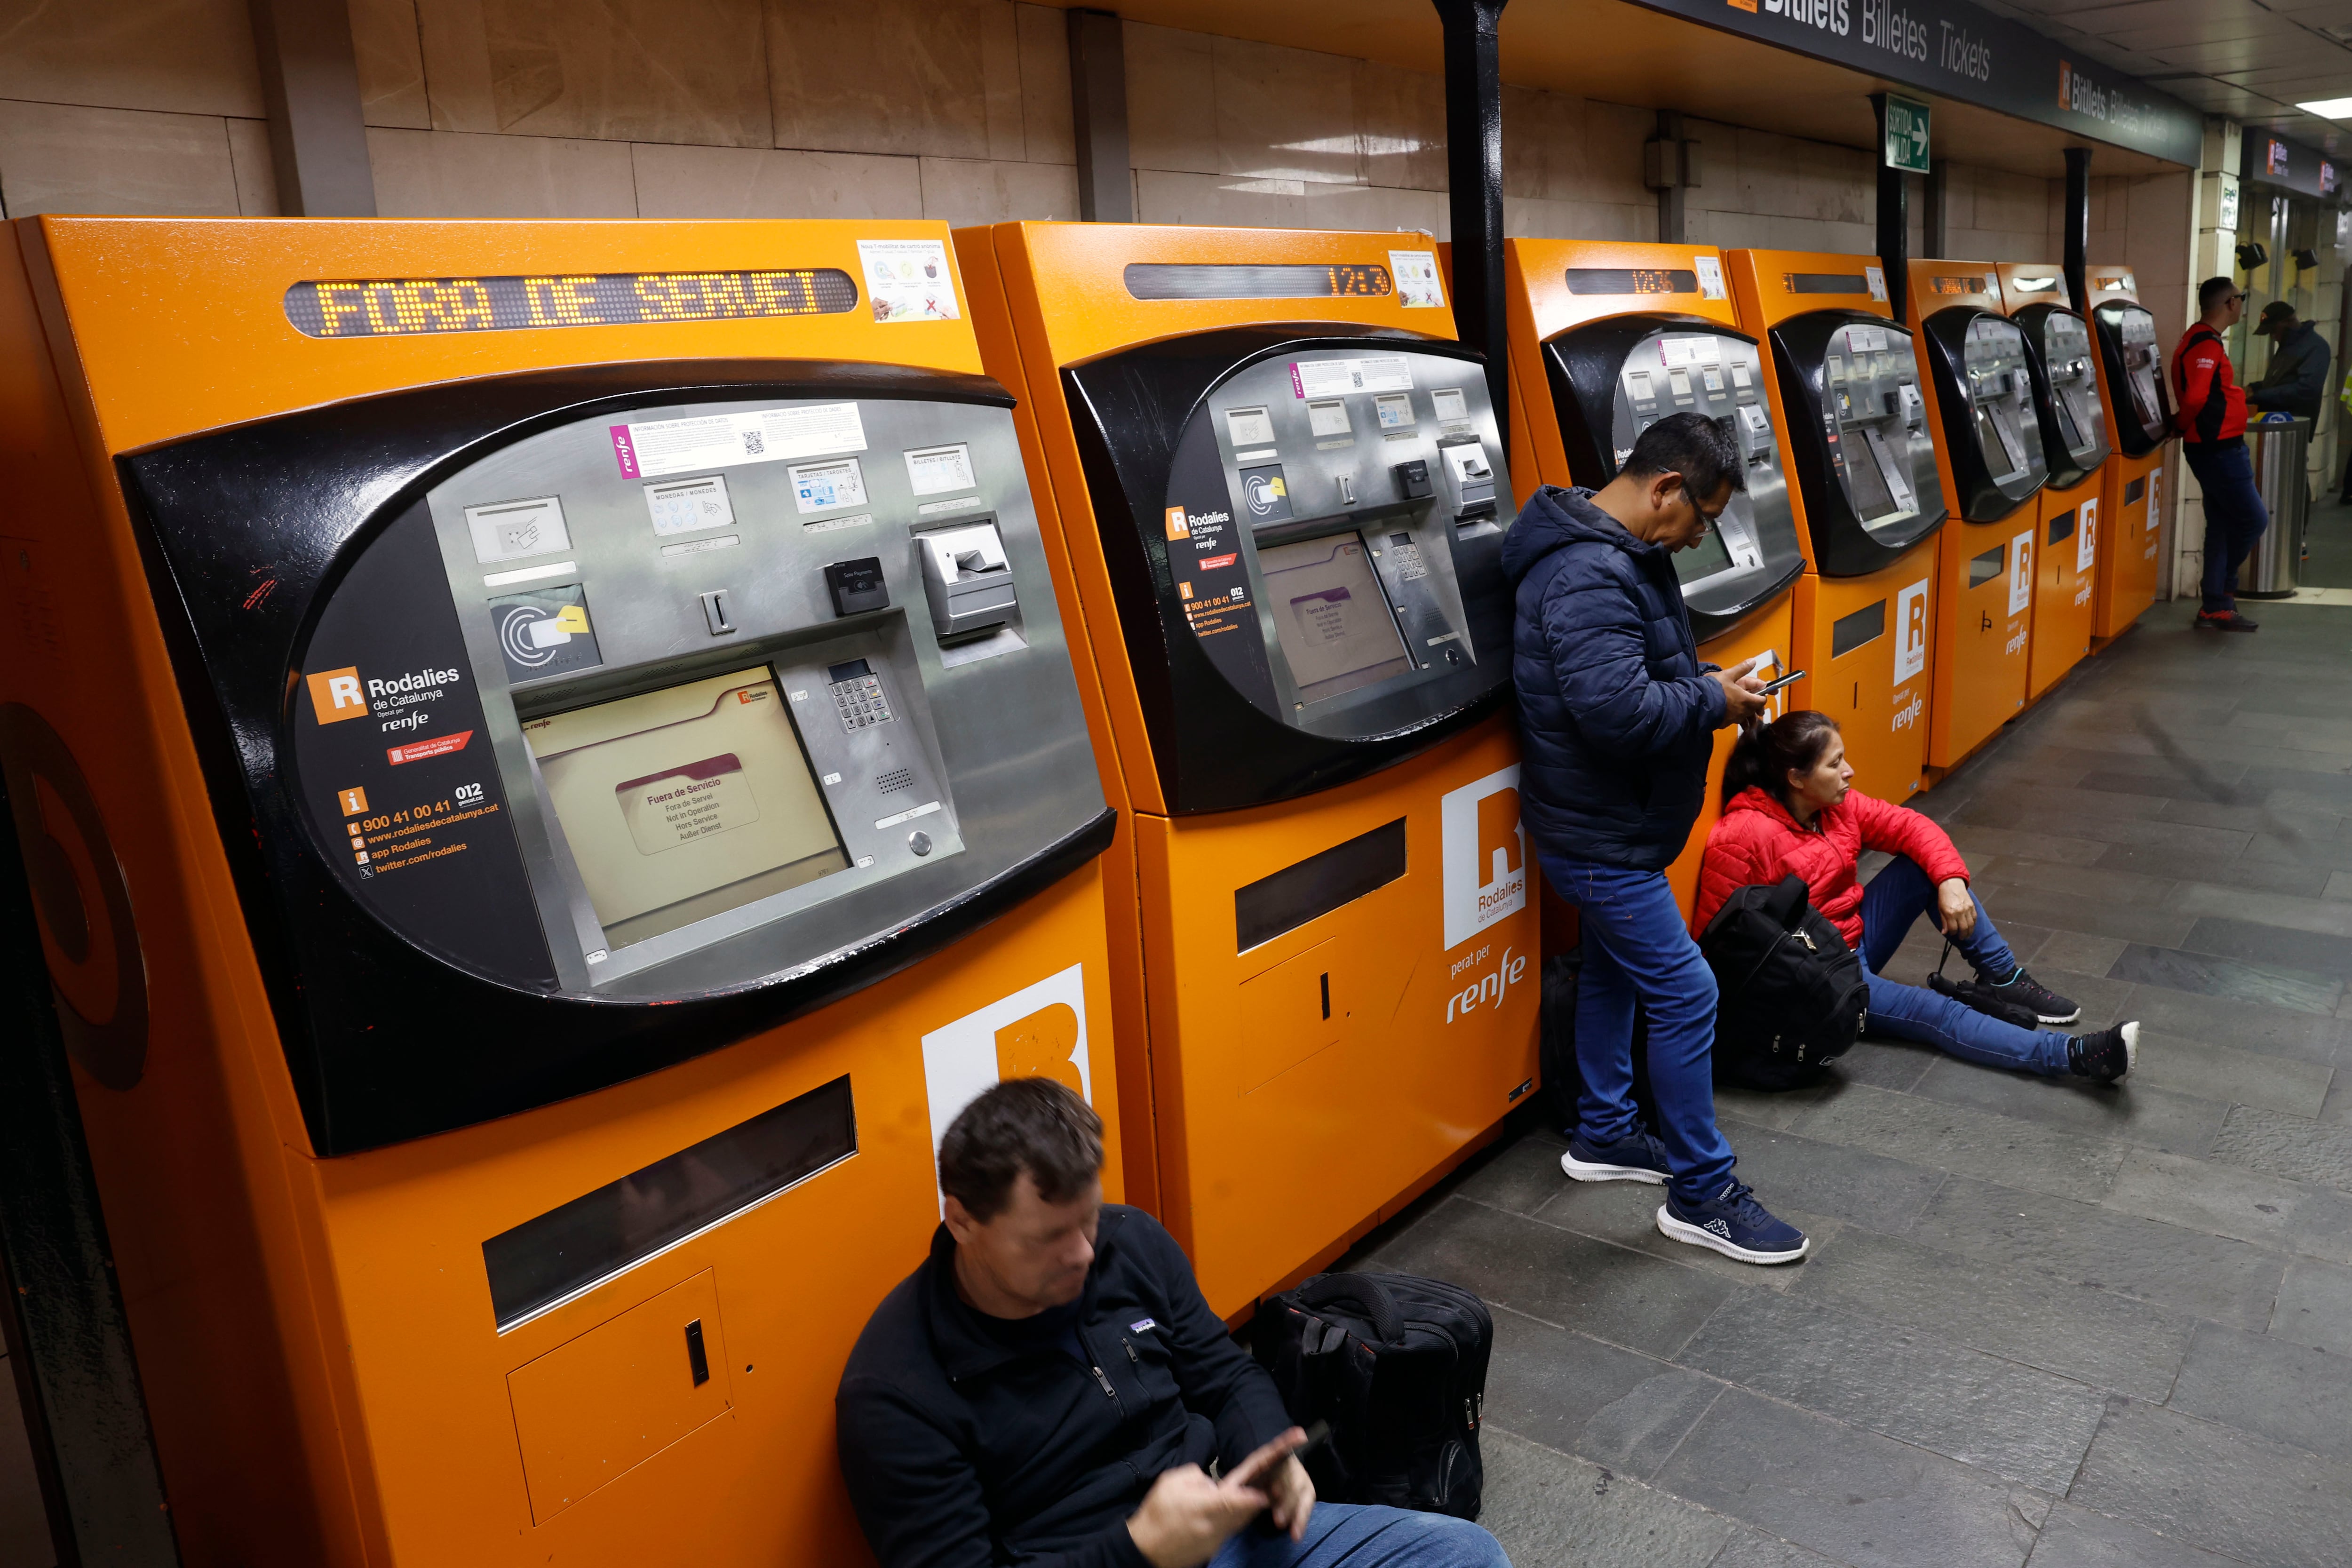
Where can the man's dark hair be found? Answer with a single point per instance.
(1031, 1124)
(2212, 291)
(1694, 446)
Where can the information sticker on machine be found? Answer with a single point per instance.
(1336, 377)
(908, 280)
(1710, 274)
(1417, 285)
(938, 470)
(820, 486)
(654, 448)
(1876, 275)
(684, 505)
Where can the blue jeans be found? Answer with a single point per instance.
(1897, 898)
(1348, 1535)
(2234, 518)
(1636, 943)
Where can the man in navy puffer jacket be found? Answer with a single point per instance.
(1617, 720)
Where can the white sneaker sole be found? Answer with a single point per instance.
(1585, 1170)
(1682, 1230)
(2069, 1019)
(2131, 1047)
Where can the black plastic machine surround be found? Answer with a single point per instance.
(1212, 747)
(244, 532)
(2132, 433)
(1946, 334)
(1843, 547)
(1582, 365)
(2065, 473)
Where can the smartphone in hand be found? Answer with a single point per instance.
(1770, 686)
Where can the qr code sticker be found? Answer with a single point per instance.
(755, 445)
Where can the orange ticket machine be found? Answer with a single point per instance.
(2061, 362)
(1988, 451)
(1846, 387)
(2138, 402)
(553, 768)
(1608, 339)
(1281, 502)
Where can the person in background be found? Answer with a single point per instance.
(1617, 719)
(1790, 806)
(2296, 382)
(2344, 399)
(2212, 423)
(1049, 1388)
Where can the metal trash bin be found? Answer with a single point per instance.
(2277, 450)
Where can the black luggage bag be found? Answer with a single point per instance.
(1397, 1365)
(1792, 997)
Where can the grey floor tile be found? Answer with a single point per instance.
(1882, 1064)
(1960, 1138)
(2086, 882)
(2225, 1200)
(2076, 1538)
(2191, 1271)
(2023, 798)
(1573, 1393)
(2204, 1070)
(2314, 1307)
(2287, 1145)
(1977, 839)
(1521, 1177)
(2199, 776)
(2311, 913)
(2288, 1393)
(2272, 985)
(1754, 1549)
(2224, 869)
(2094, 822)
(2018, 1422)
(2297, 851)
(1625, 1214)
(2074, 911)
(1852, 1495)
(2094, 1336)
(2220, 1489)
(1765, 1107)
(1558, 1276)
(1550, 1510)
(2264, 943)
(2076, 953)
(2129, 1111)
(2249, 1026)
(1847, 1183)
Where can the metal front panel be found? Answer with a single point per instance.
(2074, 406)
(1753, 545)
(2134, 332)
(932, 760)
(1999, 390)
(1884, 457)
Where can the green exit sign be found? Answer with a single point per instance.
(1906, 135)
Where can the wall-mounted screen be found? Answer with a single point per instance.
(1329, 616)
(426, 307)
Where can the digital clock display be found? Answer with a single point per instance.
(1632, 281)
(1826, 282)
(423, 306)
(1976, 285)
(1217, 281)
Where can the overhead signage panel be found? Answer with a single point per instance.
(2270, 159)
(1958, 51)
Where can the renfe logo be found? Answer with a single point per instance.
(1484, 854)
(335, 695)
(2020, 572)
(1911, 631)
(1039, 1031)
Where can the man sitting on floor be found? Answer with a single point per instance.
(1049, 1387)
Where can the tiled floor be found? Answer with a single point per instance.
(2044, 1323)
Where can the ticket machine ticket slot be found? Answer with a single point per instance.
(967, 580)
(1468, 478)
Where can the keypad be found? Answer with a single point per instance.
(861, 703)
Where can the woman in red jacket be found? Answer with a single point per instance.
(1789, 806)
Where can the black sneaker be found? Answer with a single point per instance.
(2046, 1004)
(2226, 621)
(1734, 1223)
(1992, 1001)
(2107, 1056)
(1640, 1158)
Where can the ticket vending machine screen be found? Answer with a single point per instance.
(1992, 432)
(1323, 536)
(1614, 378)
(2066, 392)
(2127, 340)
(700, 700)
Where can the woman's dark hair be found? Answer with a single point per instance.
(1765, 754)
(1031, 1124)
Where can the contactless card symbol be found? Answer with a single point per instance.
(335, 695)
(1265, 493)
(545, 632)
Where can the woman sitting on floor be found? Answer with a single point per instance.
(1789, 805)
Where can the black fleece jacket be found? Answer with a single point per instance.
(963, 1450)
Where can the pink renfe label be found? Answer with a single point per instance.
(1298, 387)
(624, 451)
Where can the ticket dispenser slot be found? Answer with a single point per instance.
(1858, 428)
(2135, 362)
(2065, 391)
(610, 752)
(1992, 432)
(1612, 379)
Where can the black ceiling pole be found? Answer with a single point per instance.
(1893, 217)
(2078, 226)
(1474, 177)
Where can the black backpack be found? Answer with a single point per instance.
(1397, 1365)
(1792, 995)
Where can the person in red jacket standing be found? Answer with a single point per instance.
(1790, 806)
(2213, 438)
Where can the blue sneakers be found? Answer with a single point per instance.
(1734, 1223)
(1639, 1158)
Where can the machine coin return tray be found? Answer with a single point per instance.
(544, 1262)
(1317, 884)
